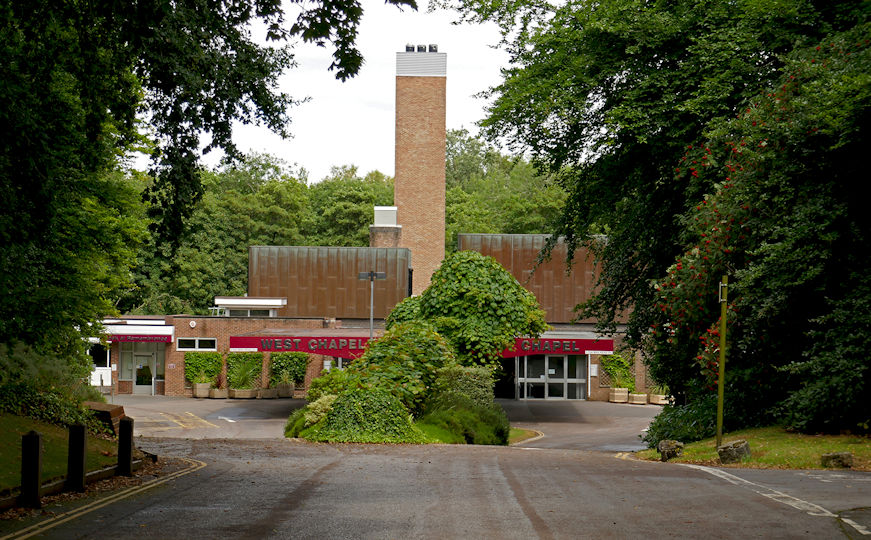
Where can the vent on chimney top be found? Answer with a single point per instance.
(421, 48)
(409, 47)
(433, 47)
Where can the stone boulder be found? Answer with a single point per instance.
(668, 449)
(733, 452)
(837, 460)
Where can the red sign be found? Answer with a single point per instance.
(529, 346)
(342, 347)
(140, 339)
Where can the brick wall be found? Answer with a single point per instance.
(419, 187)
(221, 328)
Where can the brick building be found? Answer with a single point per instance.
(313, 300)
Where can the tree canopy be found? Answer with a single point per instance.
(664, 119)
(77, 79)
(489, 192)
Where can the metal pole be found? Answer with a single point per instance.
(371, 304)
(724, 294)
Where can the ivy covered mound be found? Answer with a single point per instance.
(365, 415)
(477, 306)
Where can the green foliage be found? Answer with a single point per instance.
(77, 80)
(709, 138)
(317, 410)
(205, 364)
(479, 307)
(366, 415)
(343, 203)
(333, 382)
(288, 366)
(243, 370)
(491, 193)
(51, 406)
(469, 421)
(406, 310)
(295, 423)
(473, 382)
(620, 370)
(795, 246)
(404, 362)
(685, 423)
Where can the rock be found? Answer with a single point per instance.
(734, 451)
(838, 460)
(668, 449)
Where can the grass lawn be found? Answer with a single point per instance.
(517, 435)
(775, 448)
(54, 453)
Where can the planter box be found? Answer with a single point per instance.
(638, 399)
(284, 390)
(201, 390)
(267, 393)
(618, 395)
(219, 393)
(247, 393)
(657, 399)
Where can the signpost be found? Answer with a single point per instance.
(724, 297)
(372, 276)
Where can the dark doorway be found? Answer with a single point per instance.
(506, 382)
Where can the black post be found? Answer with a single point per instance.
(125, 447)
(76, 458)
(31, 470)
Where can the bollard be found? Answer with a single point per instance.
(125, 447)
(31, 470)
(76, 458)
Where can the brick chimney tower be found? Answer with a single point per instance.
(419, 185)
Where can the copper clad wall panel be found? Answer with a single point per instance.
(557, 292)
(322, 281)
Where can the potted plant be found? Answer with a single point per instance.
(284, 384)
(288, 371)
(658, 395)
(220, 390)
(201, 384)
(243, 374)
(202, 369)
(622, 381)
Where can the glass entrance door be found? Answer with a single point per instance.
(143, 382)
(552, 377)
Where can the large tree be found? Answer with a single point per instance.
(610, 95)
(76, 76)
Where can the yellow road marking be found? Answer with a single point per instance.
(189, 422)
(43, 526)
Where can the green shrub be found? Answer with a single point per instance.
(620, 370)
(474, 382)
(685, 423)
(49, 406)
(366, 416)
(295, 423)
(467, 420)
(288, 366)
(202, 364)
(243, 370)
(404, 361)
(316, 411)
(407, 310)
(333, 382)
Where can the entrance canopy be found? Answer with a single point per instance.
(340, 343)
(351, 343)
(138, 330)
(559, 345)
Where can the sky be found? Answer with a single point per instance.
(352, 123)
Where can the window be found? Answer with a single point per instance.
(249, 313)
(197, 344)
